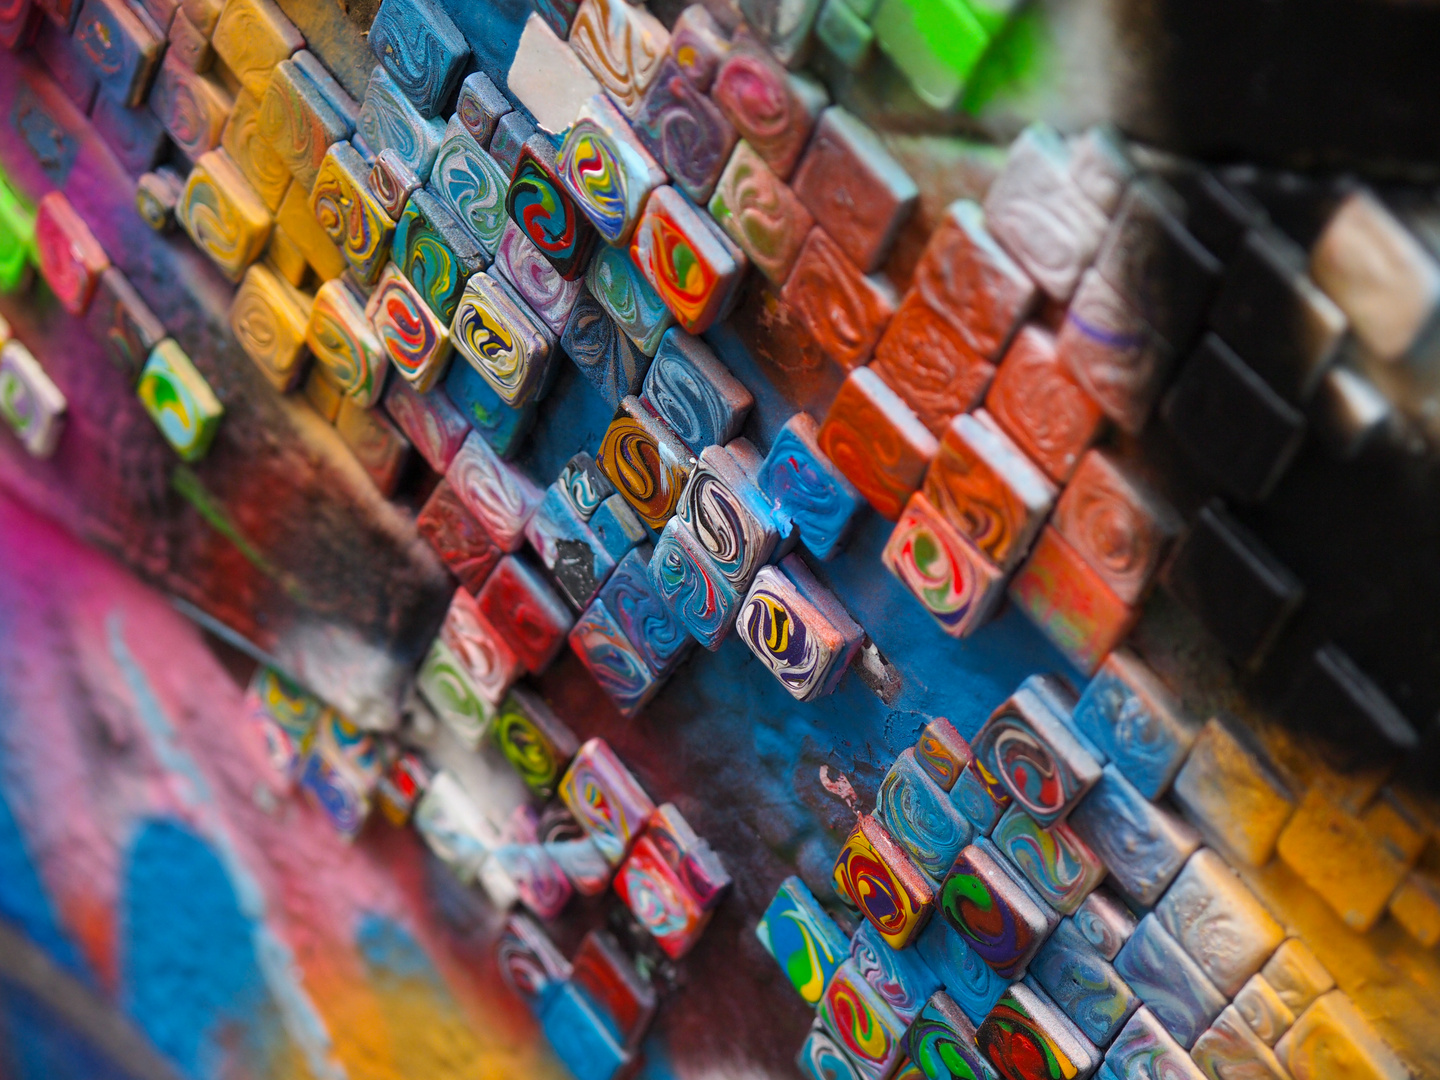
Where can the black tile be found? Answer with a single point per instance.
(1355, 721)
(1237, 589)
(1219, 214)
(1234, 428)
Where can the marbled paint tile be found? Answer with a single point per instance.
(921, 818)
(502, 427)
(647, 620)
(298, 123)
(898, 976)
(543, 209)
(821, 1058)
(421, 49)
(605, 798)
(692, 264)
(1104, 921)
(568, 548)
(941, 1042)
(583, 485)
(622, 46)
(1060, 866)
(1144, 1050)
(1026, 1037)
(446, 685)
(804, 941)
(942, 753)
(1143, 844)
(418, 343)
(808, 489)
(480, 105)
(955, 583)
(844, 310)
(222, 214)
(694, 393)
(645, 461)
(685, 131)
(121, 321)
(989, 909)
(171, 389)
(1083, 984)
(433, 425)
(788, 634)
(502, 339)
(688, 582)
(541, 884)
(500, 496)
(1260, 1005)
(980, 797)
(34, 408)
(534, 740)
(388, 119)
(1229, 1050)
(861, 1023)
(1332, 1038)
(351, 216)
(881, 881)
(659, 900)
(532, 277)
(616, 282)
(874, 438)
(773, 110)
(457, 537)
(436, 251)
(523, 607)
(392, 182)
(968, 980)
(1170, 983)
(607, 357)
(690, 856)
(471, 185)
(193, 107)
(725, 511)
(483, 653)
(607, 170)
(760, 213)
(529, 961)
(343, 341)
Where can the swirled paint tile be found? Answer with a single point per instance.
(821, 1058)
(480, 105)
(523, 607)
(1030, 747)
(773, 110)
(568, 548)
(421, 49)
(844, 310)
(298, 123)
(690, 856)
(621, 45)
(122, 48)
(1134, 719)
(479, 648)
(605, 798)
(417, 342)
(968, 980)
(1104, 922)
(436, 252)
(1230, 1050)
(1143, 844)
(345, 344)
(760, 213)
(955, 583)
(980, 796)
(580, 1037)
(193, 107)
(31, 405)
(350, 215)
(542, 885)
(646, 619)
(433, 425)
(529, 961)
(178, 399)
(500, 496)
(604, 973)
(223, 215)
(984, 486)
(467, 180)
(605, 355)
(457, 537)
(659, 900)
(807, 488)
(616, 282)
(252, 37)
(1331, 1037)
(1026, 1037)
(156, 195)
(877, 442)
(804, 941)
(852, 634)
(881, 881)
(992, 912)
(941, 1041)
(502, 427)
(694, 267)
(583, 485)
(685, 131)
(1260, 1005)
(298, 229)
(942, 753)
(616, 664)
(921, 818)
(444, 683)
(788, 634)
(1037, 402)
(607, 170)
(121, 321)
(392, 182)
(536, 282)
(1060, 866)
(898, 976)
(694, 393)
(645, 461)
(268, 318)
(1083, 984)
(936, 375)
(699, 45)
(378, 445)
(539, 203)
(503, 340)
(726, 512)
(1144, 1050)
(388, 119)
(688, 582)
(861, 1023)
(534, 740)
(1171, 984)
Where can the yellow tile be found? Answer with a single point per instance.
(1416, 907)
(322, 393)
(285, 258)
(1336, 855)
(251, 37)
(223, 215)
(1395, 823)
(268, 318)
(1297, 975)
(252, 154)
(299, 223)
(1332, 1041)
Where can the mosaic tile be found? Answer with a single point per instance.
(502, 339)
(844, 310)
(804, 941)
(1170, 983)
(418, 344)
(881, 881)
(694, 393)
(1026, 1035)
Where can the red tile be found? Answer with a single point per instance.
(457, 537)
(1070, 602)
(845, 311)
(877, 442)
(929, 365)
(526, 612)
(1041, 406)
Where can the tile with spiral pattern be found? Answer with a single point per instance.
(953, 581)
(1057, 863)
(389, 120)
(378, 445)
(502, 339)
(984, 485)
(351, 216)
(1172, 985)
(694, 393)
(622, 45)
(446, 685)
(1028, 745)
(434, 426)
(613, 660)
(968, 980)
(122, 48)
(583, 485)
(502, 427)
(659, 900)
(344, 343)
(500, 496)
(690, 856)
(529, 961)
(605, 799)
(685, 131)
(523, 607)
(1144, 1050)
(251, 37)
(1037, 402)
(1104, 921)
(544, 210)
(415, 340)
(899, 976)
(436, 252)
(1260, 1005)
(471, 185)
(937, 377)
(690, 584)
(698, 44)
(883, 883)
(760, 213)
(996, 917)
(773, 109)
(1026, 1037)
(176, 396)
(642, 614)
(534, 740)
(298, 122)
(694, 267)
(536, 282)
(617, 284)
(222, 214)
(648, 465)
(421, 49)
(568, 548)
(921, 818)
(821, 1058)
(803, 939)
(1083, 984)
(478, 646)
(252, 153)
(807, 488)
(604, 353)
(607, 170)
(392, 182)
(192, 107)
(1230, 1050)
(1143, 844)
(941, 1041)
(480, 105)
(860, 1022)
(725, 511)
(844, 310)
(877, 442)
(942, 753)
(457, 537)
(789, 635)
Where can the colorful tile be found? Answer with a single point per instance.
(606, 799)
(251, 37)
(928, 366)
(445, 683)
(1143, 844)
(512, 132)
(645, 461)
(1026, 1036)
(616, 282)
(417, 343)
(457, 537)
(156, 195)
(471, 185)
(298, 122)
(530, 274)
(804, 941)
(1297, 975)
(1037, 402)
(844, 310)
(992, 912)
(941, 1042)
(881, 881)
(936, 46)
(392, 181)
(985, 487)
(921, 818)
(821, 1058)
(789, 635)
(690, 856)
(1261, 1007)
(526, 611)
(687, 580)
(808, 489)
(605, 355)
(694, 393)
(607, 170)
(388, 119)
(180, 401)
(1228, 1048)
(691, 264)
(580, 1038)
(545, 212)
(540, 883)
(660, 900)
(1169, 981)
(502, 427)
(421, 49)
(622, 46)
(954, 582)
(860, 1022)
(345, 344)
(760, 213)
(71, 259)
(568, 548)
(436, 252)
(583, 485)
(478, 645)
(30, 403)
(268, 318)
(1083, 984)
(223, 215)
(643, 615)
(122, 48)
(503, 340)
(299, 226)
(773, 110)
(432, 424)
(480, 105)
(351, 216)
(121, 321)
(193, 107)
(684, 130)
(877, 442)
(534, 740)
(1056, 862)
(897, 976)
(969, 982)
(608, 979)
(1332, 1038)
(942, 753)
(698, 44)
(1144, 1050)
(980, 796)
(1104, 922)
(724, 510)
(500, 496)
(530, 963)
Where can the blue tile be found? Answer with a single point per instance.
(1143, 845)
(647, 621)
(971, 982)
(921, 818)
(808, 489)
(579, 1037)
(1164, 977)
(1083, 984)
(421, 49)
(502, 426)
(902, 979)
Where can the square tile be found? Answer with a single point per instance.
(1218, 921)
(942, 753)
(1083, 985)
(699, 45)
(500, 496)
(457, 537)
(694, 266)
(268, 318)
(807, 488)
(295, 221)
(921, 818)
(251, 37)
(71, 259)
(1145, 1050)
(622, 46)
(783, 29)
(538, 880)
(580, 1038)
(1333, 1038)
(883, 883)
(606, 799)
(877, 442)
(690, 856)
(1037, 402)
(176, 396)
(643, 615)
(534, 740)
(1057, 863)
(788, 634)
(969, 982)
(659, 900)
(607, 170)
(1025, 1026)
(1229, 1045)
(526, 611)
(608, 979)
(617, 526)
(937, 374)
(583, 485)
(1262, 1008)
(821, 1058)
(530, 963)
(512, 131)
(616, 282)
(536, 282)
(481, 649)
(122, 47)
(351, 216)
(1143, 844)
(690, 584)
(607, 357)
(416, 341)
(480, 106)
(773, 109)
(694, 393)
(861, 1023)
(421, 49)
(725, 511)
(345, 344)
(1164, 976)
(568, 548)
(389, 120)
(191, 106)
(1104, 922)
(760, 213)
(436, 251)
(502, 339)
(844, 310)
(941, 1041)
(545, 212)
(980, 797)
(502, 427)
(804, 941)
(298, 122)
(897, 976)
(995, 915)
(34, 407)
(685, 130)
(222, 214)
(445, 684)
(645, 461)
(433, 425)
(1297, 975)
